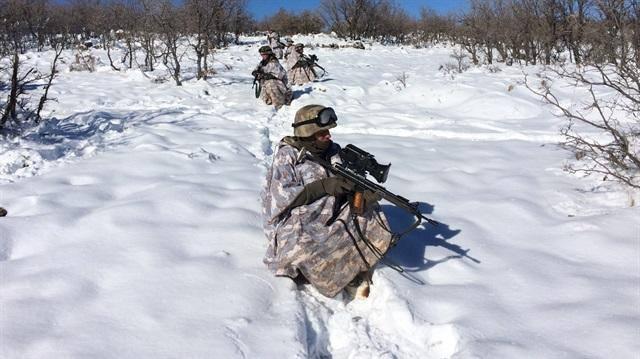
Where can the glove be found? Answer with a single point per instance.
(370, 198)
(268, 76)
(336, 186)
(333, 186)
(257, 73)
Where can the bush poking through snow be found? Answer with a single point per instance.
(460, 58)
(494, 69)
(615, 155)
(450, 69)
(401, 81)
(458, 67)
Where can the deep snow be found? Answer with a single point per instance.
(134, 227)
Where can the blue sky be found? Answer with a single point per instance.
(261, 8)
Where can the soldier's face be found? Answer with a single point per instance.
(323, 136)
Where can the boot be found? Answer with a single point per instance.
(359, 287)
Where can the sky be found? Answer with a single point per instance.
(263, 8)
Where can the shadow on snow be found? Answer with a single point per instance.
(410, 252)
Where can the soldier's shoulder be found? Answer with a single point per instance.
(286, 150)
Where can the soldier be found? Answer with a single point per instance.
(288, 49)
(311, 233)
(300, 67)
(274, 89)
(273, 39)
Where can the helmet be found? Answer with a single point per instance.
(288, 40)
(299, 46)
(266, 49)
(313, 118)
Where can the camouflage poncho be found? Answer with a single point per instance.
(274, 42)
(299, 75)
(329, 256)
(275, 91)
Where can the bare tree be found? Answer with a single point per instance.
(169, 21)
(351, 18)
(289, 23)
(435, 28)
(13, 42)
(58, 45)
(201, 16)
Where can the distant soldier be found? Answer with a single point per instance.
(288, 49)
(300, 67)
(271, 79)
(274, 42)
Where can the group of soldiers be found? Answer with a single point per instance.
(314, 236)
(273, 81)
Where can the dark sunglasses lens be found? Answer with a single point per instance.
(327, 116)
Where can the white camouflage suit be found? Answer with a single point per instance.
(288, 49)
(299, 75)
(328, 256)
(274, 42)
(274, 91)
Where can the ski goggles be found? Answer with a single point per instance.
(324, 118)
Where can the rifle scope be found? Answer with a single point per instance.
(362, 162)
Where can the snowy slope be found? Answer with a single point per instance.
(134, 226)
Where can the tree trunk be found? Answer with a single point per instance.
(12, 101)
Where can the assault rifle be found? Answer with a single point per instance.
(256, 82)
(356, 164)
(309, 61)
(258, 76)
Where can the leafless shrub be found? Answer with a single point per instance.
(402, 79)
(460, 58)
(614, 153)
(494, 69)
(450, 69)
(58, 46)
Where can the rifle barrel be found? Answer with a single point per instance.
(394, 199)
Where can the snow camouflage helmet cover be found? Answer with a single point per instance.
(309, 112)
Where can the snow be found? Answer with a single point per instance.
(134, 226)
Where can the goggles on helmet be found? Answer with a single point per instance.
(324, 118)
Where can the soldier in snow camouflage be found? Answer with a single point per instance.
(273, 38)
(307, 220)
(288, 49)
(300, 68)
(273, 79)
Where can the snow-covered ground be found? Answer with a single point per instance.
(134, 226)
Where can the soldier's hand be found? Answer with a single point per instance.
(370, 198)
(333, 186)
(337, 186)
